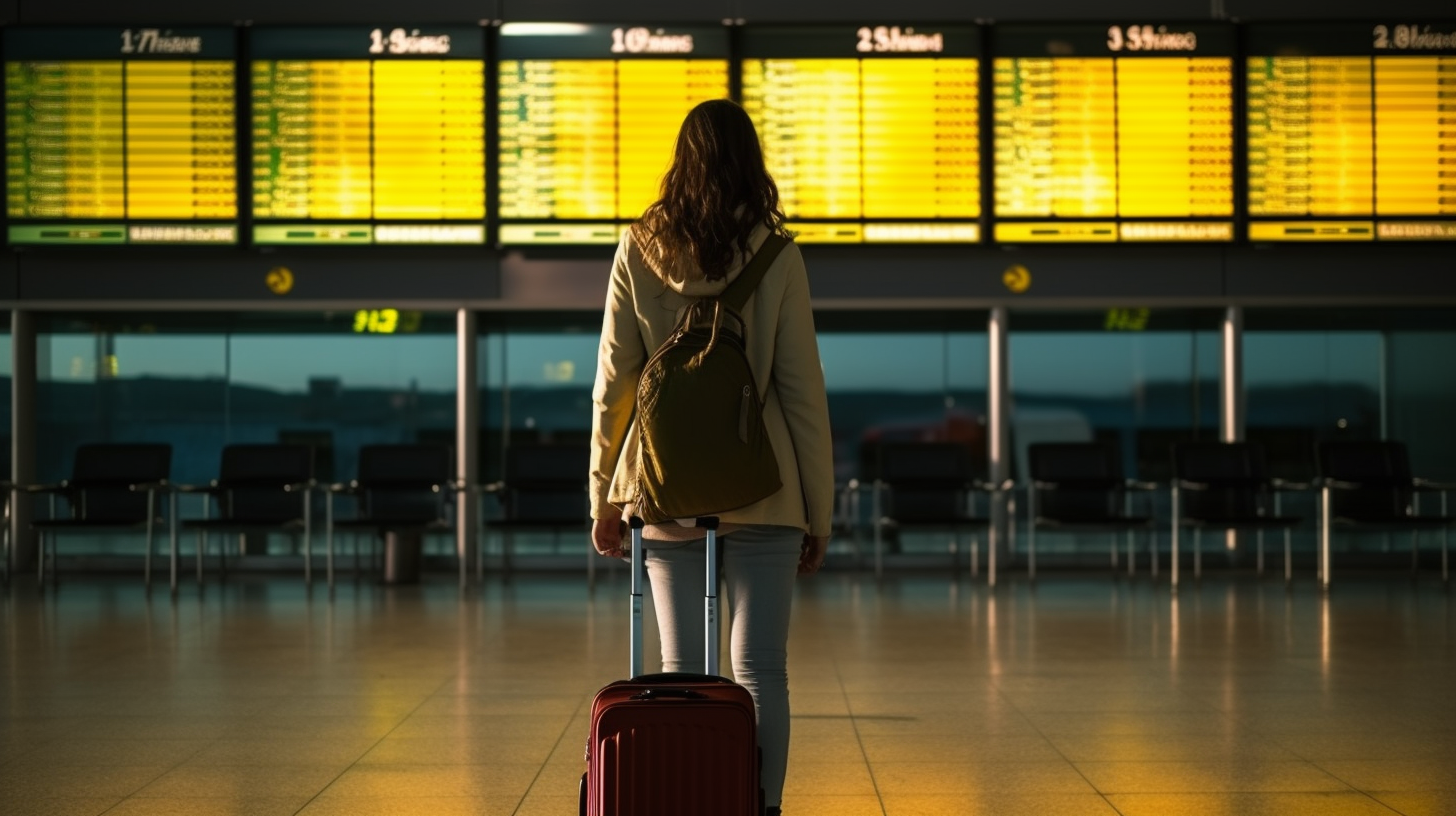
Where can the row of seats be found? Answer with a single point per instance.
(261, 488)
(406, 489)
(1080, 488)
(1072, 487)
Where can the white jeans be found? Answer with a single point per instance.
(759, 564)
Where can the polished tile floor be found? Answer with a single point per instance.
(923, 695)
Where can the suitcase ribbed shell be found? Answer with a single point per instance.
(673, 755)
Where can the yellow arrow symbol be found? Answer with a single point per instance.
(279, 280)
(1017, 278)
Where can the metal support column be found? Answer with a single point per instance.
(1231, 379)
(467, 447)
(998, 435)
(1231, 402)
(22, 434)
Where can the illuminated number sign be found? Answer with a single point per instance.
(368, 135)
(386, 321)
(1117, 132)
(588, 118)
(1352, 132)
(117, 136)
(871, 132)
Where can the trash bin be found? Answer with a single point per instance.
(402, 558)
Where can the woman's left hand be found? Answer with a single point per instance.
(607, 537)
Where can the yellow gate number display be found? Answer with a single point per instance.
(1129, 320)
(386, 321)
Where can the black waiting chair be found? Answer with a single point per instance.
(1369, 486)
(400, 489)
(1224, 486)
(928, 486)
(544, 491)
(260, 489)
(112, 488)
(1078, 487)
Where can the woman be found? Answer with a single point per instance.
(718, 205)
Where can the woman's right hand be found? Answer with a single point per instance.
(607, 537)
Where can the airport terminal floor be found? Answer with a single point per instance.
(924, 694)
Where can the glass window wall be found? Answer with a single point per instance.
(199, 382)
(1140, 378)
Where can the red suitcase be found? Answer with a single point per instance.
(673, 744)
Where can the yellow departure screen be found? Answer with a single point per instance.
(1415, 136)
(1116, 133)
(588, 119)
(387, 146)
(872, 134)
(1351, 131)
(1311, 139)
(120, 136)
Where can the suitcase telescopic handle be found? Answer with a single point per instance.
(710, 596)
(674, 693)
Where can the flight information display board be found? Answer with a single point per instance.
(1114, 132)
(872, 133)
(1352, 132)
(120, 136)
(589, 115)
(368, 135)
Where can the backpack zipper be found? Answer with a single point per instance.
(743, 416)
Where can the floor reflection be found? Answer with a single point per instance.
(915, 695)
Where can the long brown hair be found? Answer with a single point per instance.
(714, 195)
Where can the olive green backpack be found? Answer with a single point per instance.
(704, 449)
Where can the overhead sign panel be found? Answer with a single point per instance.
(120, 135)
(589, 115)
(871, 132)
(1352, 132)
(368, 135)
(1117, 132)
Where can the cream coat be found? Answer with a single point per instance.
(783, 352)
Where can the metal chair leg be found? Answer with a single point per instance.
(1445, 572)
(307, 538)
(172, 533)
(1031, 551)
(1288, 556)
(1324, 534)
(329, 537)
(1177, 523)
(151, 545)
(1031, 533)
(879, 523)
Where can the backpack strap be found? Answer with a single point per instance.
(736, 295)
